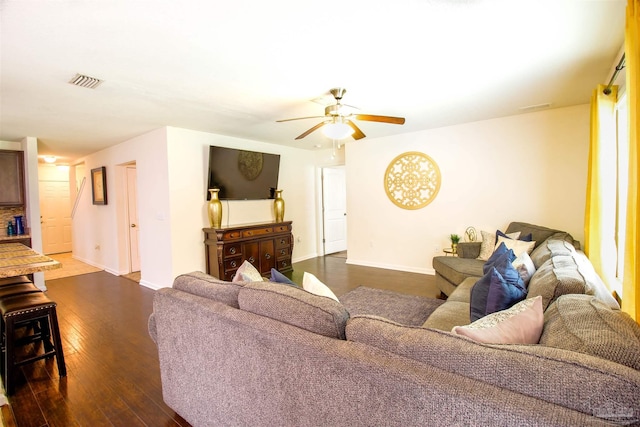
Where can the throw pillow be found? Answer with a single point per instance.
(526, 238)
(310, 283)
(497, 290)
(524, 266)
(247, 273)
(489, 243)
(277, 277)
(520, 324)
(500, 251)
(518, 246)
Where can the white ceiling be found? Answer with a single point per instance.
(235, 67)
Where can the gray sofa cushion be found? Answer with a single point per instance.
(462, 292)
(204, 285)
(566, 378)
(565, 274)
(539, 233)
(448, 315)
(295, 306)
(553, 246)
(555, 278)
(585, 324)
(456, 269)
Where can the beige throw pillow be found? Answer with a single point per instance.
(310, 283)
(518, 246)
(247, 273)
(520, 324)
(489, 243)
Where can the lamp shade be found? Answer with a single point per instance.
(337, 130)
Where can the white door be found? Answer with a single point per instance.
(334, 197)
(55, 216)
(134, 227)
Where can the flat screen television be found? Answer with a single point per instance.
(242, 174)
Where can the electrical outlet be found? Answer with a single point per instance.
(436, 249)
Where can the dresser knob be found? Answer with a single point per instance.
(232, 250)
(282, 252)
(252, 260)
(249, 233)
(233, 264)
(267, 256)
(282, 242)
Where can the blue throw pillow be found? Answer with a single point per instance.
(496, 291)
(497, 254)
(508, 272)
(479, 294)
(527, 238)
(277, 277)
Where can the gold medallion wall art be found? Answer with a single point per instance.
(412, 180)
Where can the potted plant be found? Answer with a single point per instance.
(454, 242)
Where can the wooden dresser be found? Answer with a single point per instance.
(265, 245)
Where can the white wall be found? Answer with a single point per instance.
(188, 164)
(98, 234)
(530, 167)
(171, 168)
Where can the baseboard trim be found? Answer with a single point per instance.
(429, 271)
(91, 263)
(150, 285)
(304, 258)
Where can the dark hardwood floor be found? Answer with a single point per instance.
(113, 377)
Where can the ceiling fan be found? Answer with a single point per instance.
(340, 119)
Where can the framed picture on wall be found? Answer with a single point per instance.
(99, 185)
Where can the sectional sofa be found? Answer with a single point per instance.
(265, 354)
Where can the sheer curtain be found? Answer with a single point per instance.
(630, 286)
(600, 213)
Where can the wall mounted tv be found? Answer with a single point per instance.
(241, 174)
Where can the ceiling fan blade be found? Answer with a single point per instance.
(383, 119)
(316, 127)
(357, 134)
(300, 118)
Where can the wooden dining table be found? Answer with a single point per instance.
(17, 259)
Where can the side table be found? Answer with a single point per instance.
(449, 251)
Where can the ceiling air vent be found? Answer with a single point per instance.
(85, 81)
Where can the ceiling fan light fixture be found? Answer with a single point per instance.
(337, 130)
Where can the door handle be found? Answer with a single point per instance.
(133, 226)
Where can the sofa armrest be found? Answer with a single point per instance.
(469, 249)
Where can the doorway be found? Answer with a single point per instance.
(334, 210)
(132, 219)
(55, 209)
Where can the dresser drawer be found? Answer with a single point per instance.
(283, 241)
(230, 235)
(257, 232)
(283, 264)
(282, 228)
(228, 275)
(232, 250)
(232, 264)
(283, 252)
